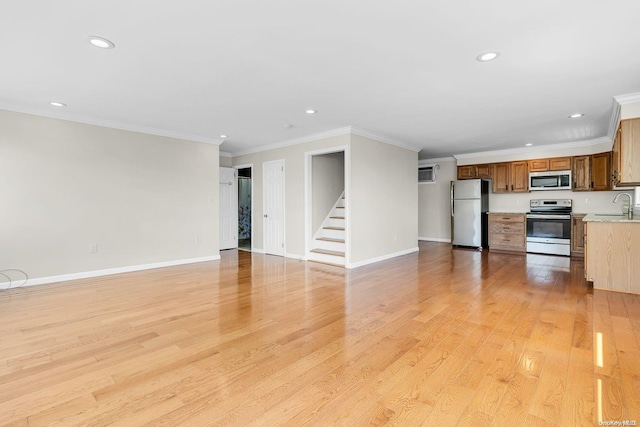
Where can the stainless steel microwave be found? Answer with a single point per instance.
(552, 180)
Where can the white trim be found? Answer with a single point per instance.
(347, 130)
(295, 256)
(118, 270)
(225, 154)
(434, 239)
(614, 121)
(381, 138)
(295, 141)
(428, 162)
(562, 146)
(115, 125)
(381, 258)
(628, 98)
(257, 251)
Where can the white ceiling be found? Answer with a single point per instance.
(405, 70)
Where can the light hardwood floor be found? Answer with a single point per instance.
(440, 338)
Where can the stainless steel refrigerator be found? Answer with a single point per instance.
(469, 209)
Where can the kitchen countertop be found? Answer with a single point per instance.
(507, 213)
(610, 218)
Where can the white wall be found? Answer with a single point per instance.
(66, 186)
(226, 161)
(327, 184)
(294, 157)
(434, 221)
(383, 198)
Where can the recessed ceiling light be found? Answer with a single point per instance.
(489, 56)
(310, 111)
(288, 126)
(224, 136)
(576, 115)
(58, 104)
(101, 42)
(528, 145)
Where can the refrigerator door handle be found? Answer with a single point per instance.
(451, 190)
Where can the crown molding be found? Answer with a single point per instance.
(627, 98)
(327, 134)
(225, 154)
(382, 138)
(294, 141)
(113, 124)
(550, 147)
(614, 121)
(423, 162)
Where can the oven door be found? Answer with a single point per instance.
(548, 228)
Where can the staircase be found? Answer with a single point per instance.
(328, 245)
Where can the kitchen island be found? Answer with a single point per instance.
(612, 252)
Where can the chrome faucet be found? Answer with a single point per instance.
(630, 210)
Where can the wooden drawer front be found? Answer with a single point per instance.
(507, 227)
(507, 218)
(507, 240)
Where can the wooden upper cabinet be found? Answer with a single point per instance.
(484, 171)
(553, 164)
(519, 177)
(615, 159)
(581, 173)
(601, 171)
(540, 165)
(467, 172)
(629, 155)
(510, 177)
(474, 171)
(500, 183)
(560, 164)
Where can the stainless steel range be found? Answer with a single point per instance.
(549, 226)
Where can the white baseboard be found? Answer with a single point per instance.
(381, 258)
(434, 239)
(108, 271)
(295, 256)
(257, 251)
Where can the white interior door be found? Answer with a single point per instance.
(273, 178)
(228, 208)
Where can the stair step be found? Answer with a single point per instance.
(330, 239)
(327, 252)
(334, 228)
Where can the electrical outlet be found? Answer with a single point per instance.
(586, 200)
(93, 249)
(198, 239)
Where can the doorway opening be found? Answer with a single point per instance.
(245, 207)
(326, 203)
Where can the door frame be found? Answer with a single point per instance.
(308, 197)
(247, 166)
(234, 213)
(284, 207)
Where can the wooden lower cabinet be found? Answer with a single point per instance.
(577, 235)
(612, 254)
(507, 232)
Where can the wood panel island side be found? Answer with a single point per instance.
(612, 252)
